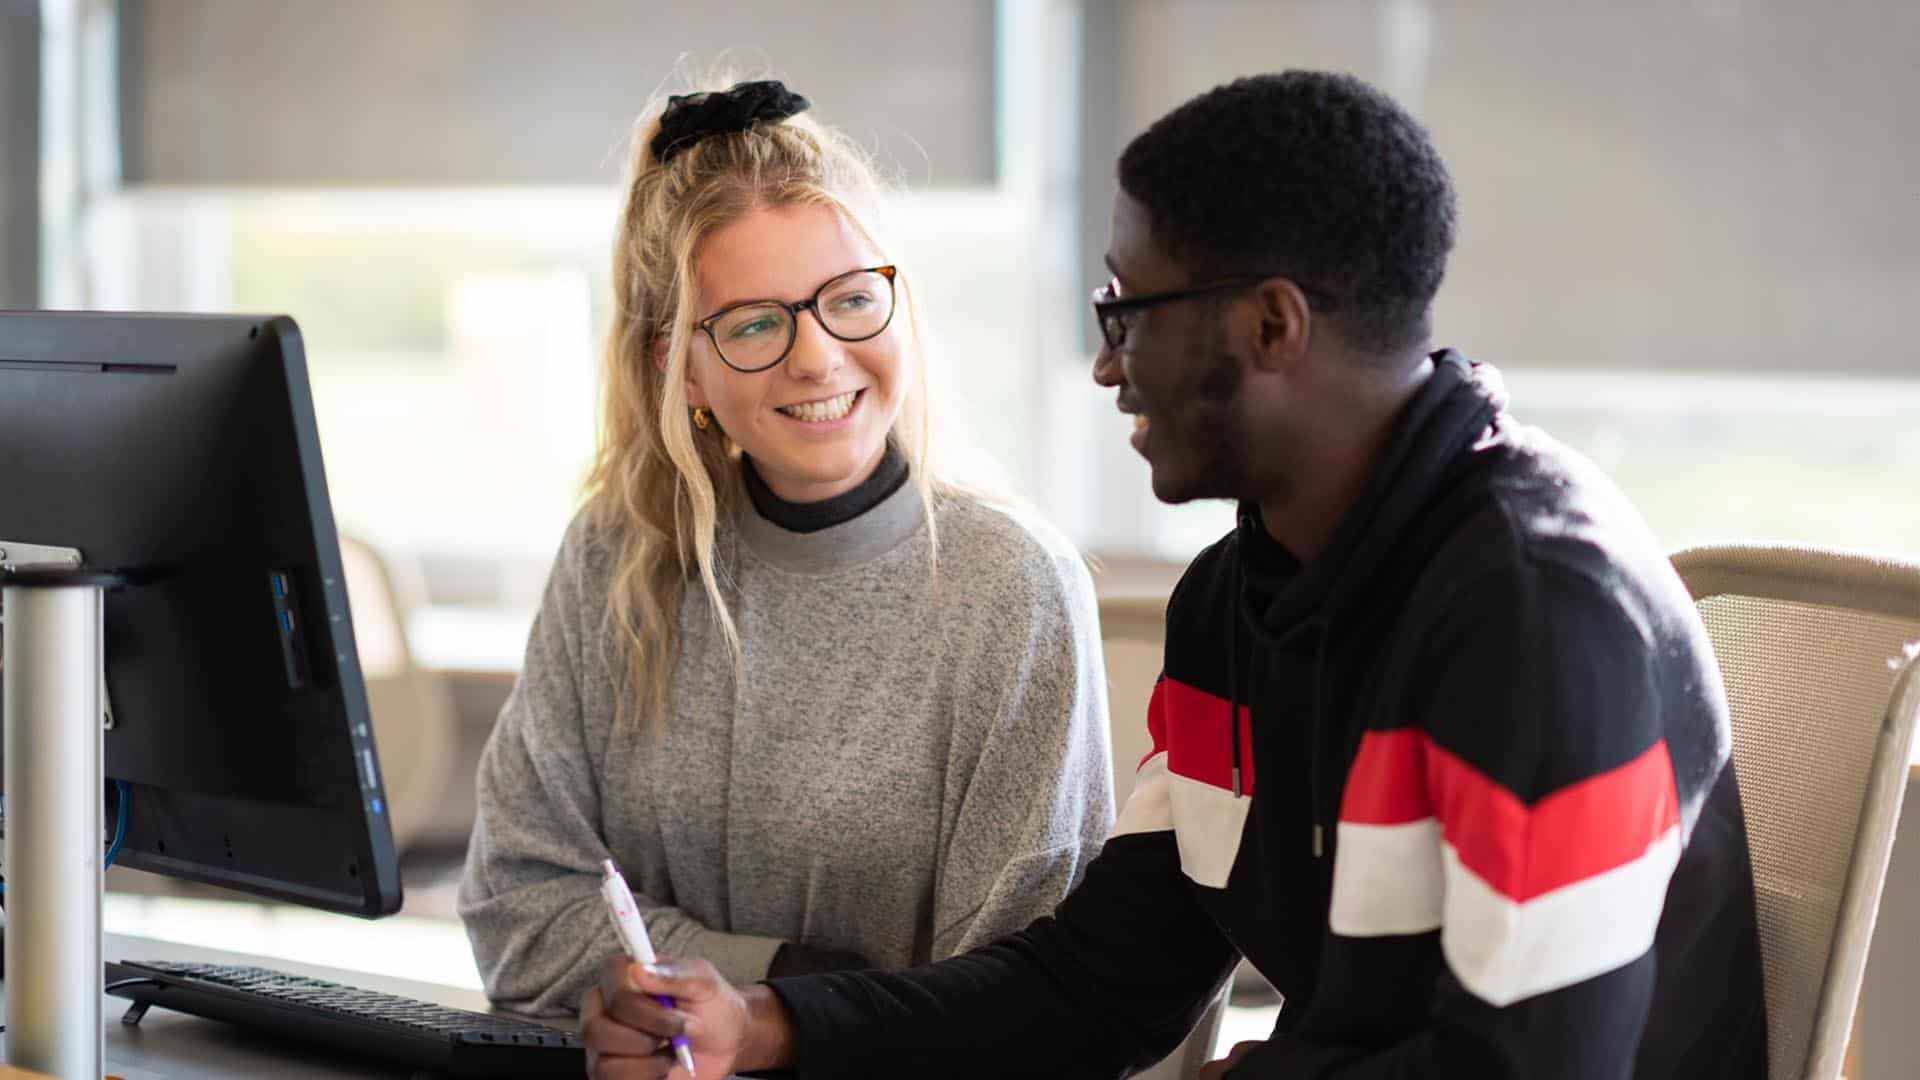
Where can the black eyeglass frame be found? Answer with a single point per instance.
(1115, 308)
(811, 303)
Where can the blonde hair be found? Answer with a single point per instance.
(658, 486)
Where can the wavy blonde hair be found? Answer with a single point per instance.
(658, 486)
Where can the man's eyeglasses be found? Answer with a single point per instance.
(758, 334)
(1117, 314)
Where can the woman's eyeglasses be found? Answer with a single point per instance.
(758, 334)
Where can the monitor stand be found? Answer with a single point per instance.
(52, 657)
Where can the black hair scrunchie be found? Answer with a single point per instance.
(691, 117)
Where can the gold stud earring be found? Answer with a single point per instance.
(701, 418)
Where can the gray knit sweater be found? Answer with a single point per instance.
(914, 764)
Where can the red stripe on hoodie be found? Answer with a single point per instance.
(1587, 828)
(1190, 725)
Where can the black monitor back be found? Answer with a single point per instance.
(181, 450)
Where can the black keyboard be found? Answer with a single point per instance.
(401, 1030)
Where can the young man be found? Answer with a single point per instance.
(1440, 745)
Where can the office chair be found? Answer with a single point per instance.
(1824, 692)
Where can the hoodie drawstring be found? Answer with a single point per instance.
(1233, 676)
(1313, 766)
(1234, 726)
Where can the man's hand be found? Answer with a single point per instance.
(627, 1031)
(1218, 1070)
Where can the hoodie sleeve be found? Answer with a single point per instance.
(1107, 984)
(1528, 815)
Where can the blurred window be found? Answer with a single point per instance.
(431, 189)
(1686, 230)
(1684, 233)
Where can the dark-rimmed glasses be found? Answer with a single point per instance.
(1116, 314)
(757, 334)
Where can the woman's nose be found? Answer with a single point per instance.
(816, 354)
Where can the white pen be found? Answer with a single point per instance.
(632, 932)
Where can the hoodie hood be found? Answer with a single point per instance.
(1449, 416)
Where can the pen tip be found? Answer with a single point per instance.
(607, 867)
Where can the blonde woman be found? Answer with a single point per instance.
(823, 709)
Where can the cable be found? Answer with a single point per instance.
(119, 824)
(122, 795)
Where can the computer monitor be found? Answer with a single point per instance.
(181, 451)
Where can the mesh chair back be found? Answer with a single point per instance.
(1811, 645)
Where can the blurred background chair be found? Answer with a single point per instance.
(413, 724)
(1132, 634)
(1815, 649)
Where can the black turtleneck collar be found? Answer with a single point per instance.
(825, 514)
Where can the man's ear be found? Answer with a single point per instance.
(1280, 325)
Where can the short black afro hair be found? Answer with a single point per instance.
(1310, 175)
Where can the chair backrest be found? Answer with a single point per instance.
(1133, 636)
(1814, 648)
(413, 727)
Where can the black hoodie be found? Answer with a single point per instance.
(1457, 787)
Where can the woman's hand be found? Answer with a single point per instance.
(627, 1031)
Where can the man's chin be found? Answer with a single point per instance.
(1174, 489)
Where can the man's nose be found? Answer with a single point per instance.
(1106, 367)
